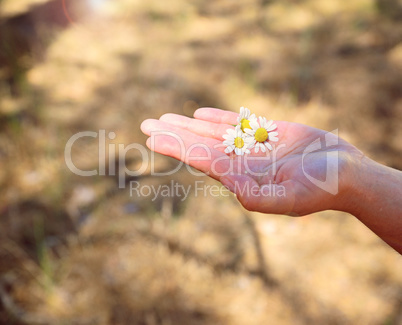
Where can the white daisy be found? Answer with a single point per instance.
(245, 118)
(237, 141)
(261, 134)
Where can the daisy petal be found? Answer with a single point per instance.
(254, 124)
(231, 132)
(249, 132)
(271, 127)
(249, 140)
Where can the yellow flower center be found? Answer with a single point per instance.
(239, 142)
(261, 135)
(244, 124)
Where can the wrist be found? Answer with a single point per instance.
(373, 196)
(352, 169)
(368, 186)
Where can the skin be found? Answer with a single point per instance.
(369, 191)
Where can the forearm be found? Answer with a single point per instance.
(374, 196)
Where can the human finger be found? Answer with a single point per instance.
(200, 127)
(203, 153)
(157, 127)
(216, 115)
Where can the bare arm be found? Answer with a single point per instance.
(364, 188)
(375, 198)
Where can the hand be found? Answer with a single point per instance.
(273, 182)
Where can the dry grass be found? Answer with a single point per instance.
(77, 250)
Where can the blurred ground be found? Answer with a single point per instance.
(77, 250)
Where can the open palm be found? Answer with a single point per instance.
(290, 179)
